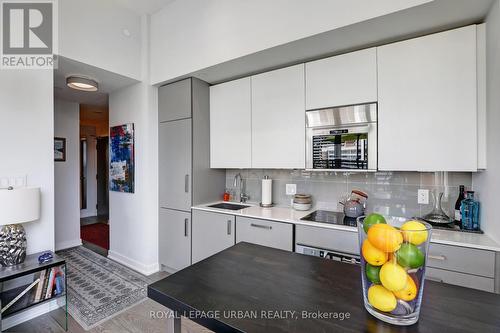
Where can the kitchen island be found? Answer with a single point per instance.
(251, 288)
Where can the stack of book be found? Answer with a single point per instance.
(49, 284)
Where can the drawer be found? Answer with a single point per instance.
(460, 279)
(329, 239)
(461, 259)
(264, 232)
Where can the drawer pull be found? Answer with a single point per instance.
(434, 279)
(229, 227)
(439, 257)
(186, 222)
(268, 227)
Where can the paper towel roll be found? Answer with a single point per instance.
(267, 191)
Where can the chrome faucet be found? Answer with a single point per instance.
(239, 183)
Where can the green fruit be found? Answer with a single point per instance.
(372, 273)
(409, 256)
(372, 219)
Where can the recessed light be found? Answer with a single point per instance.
(81, 83)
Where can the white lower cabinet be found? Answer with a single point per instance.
(212, 233)
(264, 232)
(174, 239)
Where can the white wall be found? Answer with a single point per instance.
(486, 182)
(133, 217)
(91, 32)
(190, 35)
(27, 143)
(89, 132)
(67, 176)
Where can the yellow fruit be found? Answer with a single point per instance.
(385, 237)
(372, 255)
(381, 298)
(393, 276)
(414, 232)
(409, 292)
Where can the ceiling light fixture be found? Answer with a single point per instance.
(81, 83)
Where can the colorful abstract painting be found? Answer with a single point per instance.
(121, 173)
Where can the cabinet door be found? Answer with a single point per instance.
(263, 232)
(278, 119)
(231, 124)
(342, 80)
(427, 113)
(174, 101)
(175, 164)
(174, 239)
(212, 233)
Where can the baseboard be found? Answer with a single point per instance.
(29, 314)
(68, 244)
(133, 264)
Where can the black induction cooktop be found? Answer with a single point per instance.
(326, 216)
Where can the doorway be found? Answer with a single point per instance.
(94, 185)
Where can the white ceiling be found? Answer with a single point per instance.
(144, 6)
(108, 82)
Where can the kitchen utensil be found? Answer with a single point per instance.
(355, 203)
(302, 202)
(437, 215)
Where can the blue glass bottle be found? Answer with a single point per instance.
(470, 212)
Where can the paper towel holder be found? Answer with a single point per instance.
(266, 205)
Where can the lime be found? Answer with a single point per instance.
(409, 256)
(372, 219)
(372, 273)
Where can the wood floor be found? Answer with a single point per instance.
(137, 319)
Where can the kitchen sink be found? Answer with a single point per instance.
(229, 206)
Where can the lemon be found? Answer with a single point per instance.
(414, 232)
(373, 255)
(409, 292)
(393, 276)
(385, 237)
(381, 298)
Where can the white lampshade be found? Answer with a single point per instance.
(19, 205)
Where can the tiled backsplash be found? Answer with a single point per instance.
(390, 193)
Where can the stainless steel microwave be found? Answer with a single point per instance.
(342, 138)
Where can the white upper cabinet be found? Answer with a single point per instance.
(342, 80)
(231, 124)
(427, 111)
(278, 119)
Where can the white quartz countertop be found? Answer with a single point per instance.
(289, 215)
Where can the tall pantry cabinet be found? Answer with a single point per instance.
(185, 177)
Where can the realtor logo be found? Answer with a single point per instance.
(28, 34)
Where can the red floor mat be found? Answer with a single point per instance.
(97, 234)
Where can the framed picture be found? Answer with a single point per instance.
(121, 173)
(60, 149)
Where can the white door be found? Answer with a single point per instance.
(346, 79)
(174, 239)
(278, 119)
(231, 124)
(427, 112)
(212, 233)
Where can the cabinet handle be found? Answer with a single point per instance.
(186, 222)
(434, 279)
(438, 257)
(186, 183)
(268, 227)
(229, 227)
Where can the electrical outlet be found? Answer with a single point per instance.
(423, 197)
(291, 189)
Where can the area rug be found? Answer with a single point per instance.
(99, 288)
(97, 233)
